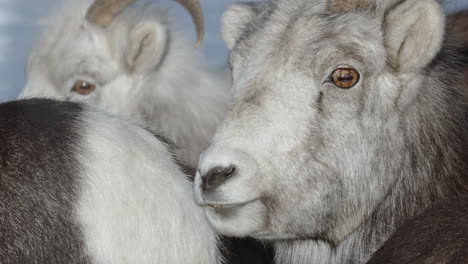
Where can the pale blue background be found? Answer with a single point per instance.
(19, 29)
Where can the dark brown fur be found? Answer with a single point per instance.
(457, 26)
(437, 236)
(39, 183)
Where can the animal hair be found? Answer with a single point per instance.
(347, 5)
(81, 186)
(437, 236)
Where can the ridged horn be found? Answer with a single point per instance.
(347, 5)
(102, 12)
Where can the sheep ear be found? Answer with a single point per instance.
(147, 46)
(235, 20)
(414, 32)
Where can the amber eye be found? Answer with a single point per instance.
(345, 77)
(83, 87)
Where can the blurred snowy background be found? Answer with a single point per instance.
(19, 28)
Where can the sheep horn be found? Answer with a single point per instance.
(102, 12)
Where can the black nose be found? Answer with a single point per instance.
(217, 176)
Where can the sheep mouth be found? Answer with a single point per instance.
(223, 206)
(237, 219)
(228, 206)
(219, 206)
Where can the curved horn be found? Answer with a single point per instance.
(195, 10)
(102, 12)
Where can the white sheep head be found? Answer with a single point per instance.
(130, 62)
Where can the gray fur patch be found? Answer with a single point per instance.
(39, 183)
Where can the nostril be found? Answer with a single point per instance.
(217, 176)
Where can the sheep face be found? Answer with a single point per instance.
(314, 139)
(138, 67)
(103, 66)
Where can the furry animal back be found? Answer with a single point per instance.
(81, 186)
(437, 236)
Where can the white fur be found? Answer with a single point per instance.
(135, 206)
(408, 44)
(143, 69)
(233, 23)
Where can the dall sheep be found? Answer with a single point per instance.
(348, 120)
(132, 62)
(78, 185)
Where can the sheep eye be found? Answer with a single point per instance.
(83, 87)
(345, 78)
